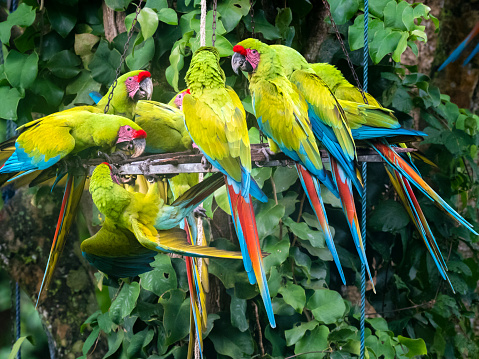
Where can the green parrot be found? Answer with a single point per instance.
(216, 121)
(137, 214)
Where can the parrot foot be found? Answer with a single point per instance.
(120, 154)
(206, 165)
(199, 212)
(128, 179)
(145, 167)
(267, 153)
(102, 154)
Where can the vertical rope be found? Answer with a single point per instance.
(364, 175)
(17, 317)
(203, 23)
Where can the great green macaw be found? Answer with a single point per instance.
(74, 131)
(216, 121)
(284, 115)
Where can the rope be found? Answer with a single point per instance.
(364, 174)
(18, 317)
(203, 23)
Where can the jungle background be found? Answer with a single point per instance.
(55, 52)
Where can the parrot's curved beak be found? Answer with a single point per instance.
(146, 89)
(239, 62)
(139, 145)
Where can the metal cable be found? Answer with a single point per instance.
(18, 317)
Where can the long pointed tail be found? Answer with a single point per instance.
(458, 50)
(245, 225)
(198, 313)
(408, 199)
(313, 191)
(391, 157)
(347, 201)
(71, 199)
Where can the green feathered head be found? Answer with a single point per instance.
(205, 70)
(247, 55)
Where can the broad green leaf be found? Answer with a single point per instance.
(402, 100)
(277, 341)
(221, 198)
(104, 64)
(283, 20)
(293, 295)
(117, 5)
(62, 21)
(91, 340)
(326, 305)
(83, 46)
(168, 16)
(262, 174)
(176, 319)
(162, 278)
(284, 177)
(21, 69)
(156, 4)
(302, 230)
(142, 56)
(278, 251)
(376, 7)
(81, 87)
(262, 25)
(10, 98)
(314, 342)
(64, 64)
(343, 10)
(415, 346)
(388, 216)
(297, 332)
(230, 342)
(393, 15)
(105, 323)
(115, 339)
(267, 219)
(139, 341)
(401, 47)
(23, 16)
(148, 20)
(232, 11)
(238, 313)
(228, 271)
(124, 302)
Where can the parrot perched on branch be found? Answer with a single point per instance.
(216, 121)
(74, 131)
(287, 113)
(139, 225)
(400, 171)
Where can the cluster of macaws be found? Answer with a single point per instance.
(298, 107)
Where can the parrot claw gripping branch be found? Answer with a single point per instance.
(298, 106)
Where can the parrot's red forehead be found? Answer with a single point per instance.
(106, 163)
(239, 49)
(143, 75)
(188, 91)
(140, 134)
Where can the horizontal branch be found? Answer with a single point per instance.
(190, 161)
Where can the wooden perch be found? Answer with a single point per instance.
(190, 161)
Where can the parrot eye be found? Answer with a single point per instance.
(254, 52)
(128, 129)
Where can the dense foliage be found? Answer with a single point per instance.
(62, 55)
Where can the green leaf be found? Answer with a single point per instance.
(293, 335)
(114, 342)
(230, 341)
(81, 87)
(148, 20)
(302, 230)
(393, 15)
(142, 56)
(117, 5)
(315, 341)
(376, 7)
(83, 46)
(156, 4)
(327, 306)
(10, 98)
(402, 100)
(343, 10)
(168, 16)
(21, 69)
(261, 25)
(23, 16)
(228, 271)
(401, 46)
(104, 64)
(176, 319)
(139, 341)
(267, 219)
(64, 64)
(91, 340)
(62, 19)
(162, 278)
(278, 251)
(260, 175)
(284, 177)
(232, 11)
(415, 346)
(283, 20)
(221, 198)
(52, 94)
(388, 216)
(16, 347)
(293, 295)
(124, 302)
(105, 323)
(238, 313)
